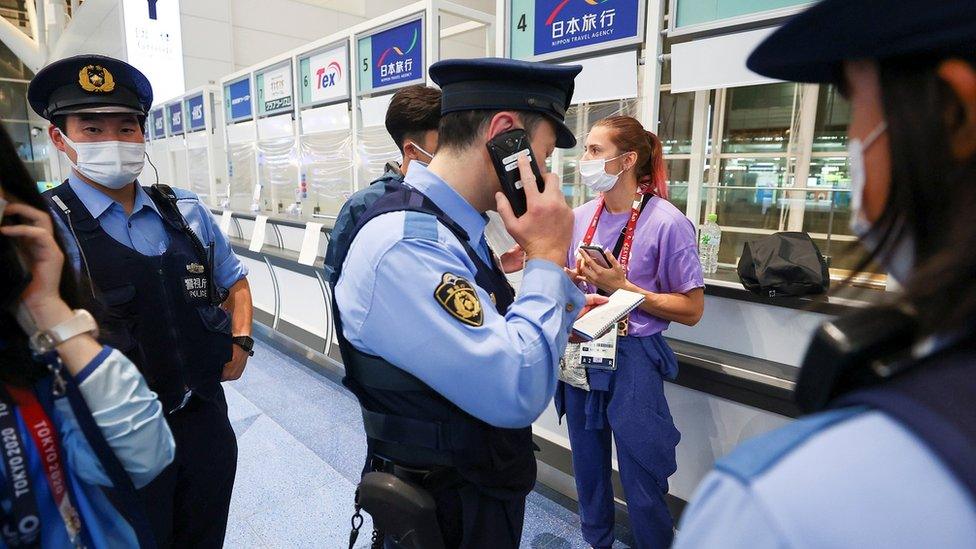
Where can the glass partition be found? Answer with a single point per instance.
(241, 171)
(278, 174)
(199, 177)
(328, 163)
(376, 148)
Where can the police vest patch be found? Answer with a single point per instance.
(460, 299)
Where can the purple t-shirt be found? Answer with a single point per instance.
(664, 257)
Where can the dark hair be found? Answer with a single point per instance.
(627, 134)
(16, 363)
(413, 111)
(932, 195)
(460, 129)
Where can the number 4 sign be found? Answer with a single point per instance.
(550, 29)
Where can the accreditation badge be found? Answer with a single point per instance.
(570, 369)
(600, 353)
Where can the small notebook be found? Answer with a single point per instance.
(600, 320)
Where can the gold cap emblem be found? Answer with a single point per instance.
(96, 79)
(460, 299)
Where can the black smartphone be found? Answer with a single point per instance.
(14, 272)
(504, 150)
(597, 254)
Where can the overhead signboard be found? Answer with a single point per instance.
(549, 29)
(325, 75)
(275, 90)
(158, 123)
(391, 56)
(194, 109)
(174, 112)
(237, 99)
(154, 43)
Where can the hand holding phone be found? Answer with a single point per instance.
(597, 254)
(545, 230)
(504, 150)
(31, 261)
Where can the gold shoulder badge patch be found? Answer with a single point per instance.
(460, 299)
(96, 79)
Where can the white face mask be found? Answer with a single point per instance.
(113, 164)
(856, 149)
(899, 259)
(594, 174)
(421, 162)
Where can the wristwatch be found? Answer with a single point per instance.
(81, 322)
(246, 343)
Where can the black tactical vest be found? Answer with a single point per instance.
(158, 311)
(409, 423)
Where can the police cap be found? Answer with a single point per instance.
(812, 46)
(494, 83)
(89, 84)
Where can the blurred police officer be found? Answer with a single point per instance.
(889, 460)
(174, 297)
(450, 367)
(411, 120)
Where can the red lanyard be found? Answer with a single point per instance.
(45, 439)
(628, 234)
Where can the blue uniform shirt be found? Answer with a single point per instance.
(502, 372)
(864, 481)
(144, 231)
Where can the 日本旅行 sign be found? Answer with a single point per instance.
(158, 123)
(274, 86)
(194, 109)
(548, 29)
(392, 57)
(325, 76)
(175, 114)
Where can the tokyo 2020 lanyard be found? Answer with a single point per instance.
(627, 235)
(45, 437)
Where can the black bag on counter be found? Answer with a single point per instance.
(783, 264)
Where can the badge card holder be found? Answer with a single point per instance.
(570, 369)
(600, 353)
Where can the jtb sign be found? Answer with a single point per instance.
(557, 28)
(392, 58)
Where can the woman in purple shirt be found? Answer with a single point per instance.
(651, 249)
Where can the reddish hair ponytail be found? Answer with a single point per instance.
(629, 135)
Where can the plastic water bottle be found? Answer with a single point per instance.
(708, 244)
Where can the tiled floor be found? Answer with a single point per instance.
(301, 449)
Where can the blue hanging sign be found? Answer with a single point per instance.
(194, 109)
(159, 123)
(175, 115)
(392, 58)
(237, 99)
(548, 29)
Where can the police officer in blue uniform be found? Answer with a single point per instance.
(450, 366)
(889, 457)
(172, 295)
